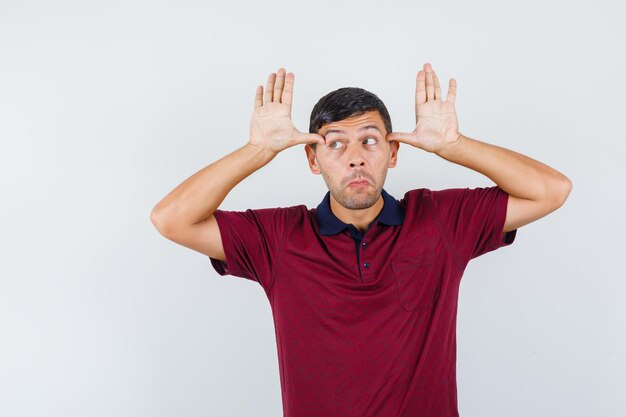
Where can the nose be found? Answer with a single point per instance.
(356, 158)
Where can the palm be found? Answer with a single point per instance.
(271, 127)
(436, 120)
(436, 124)
(273, 120)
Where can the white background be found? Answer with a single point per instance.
(107, 106)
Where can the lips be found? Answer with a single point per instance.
(359, 182)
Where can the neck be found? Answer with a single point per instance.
(360, 218)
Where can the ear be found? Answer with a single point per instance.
(312, 159)
(393, 158)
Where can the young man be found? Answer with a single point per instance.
(364, 287)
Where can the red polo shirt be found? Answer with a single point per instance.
(366, 323)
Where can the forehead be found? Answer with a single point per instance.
(355, 123)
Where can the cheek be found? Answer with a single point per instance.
(380, 159)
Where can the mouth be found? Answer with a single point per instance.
(359, 183)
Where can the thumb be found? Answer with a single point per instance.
(310, 138)
(399, 136)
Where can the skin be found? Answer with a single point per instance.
(535, 189)
(354, 154)
(185, 215)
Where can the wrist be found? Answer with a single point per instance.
(260, 152)
(451, 147)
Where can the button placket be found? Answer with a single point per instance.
(365, 264)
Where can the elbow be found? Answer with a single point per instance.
(157, 218)
(562, 191)
(154, 217)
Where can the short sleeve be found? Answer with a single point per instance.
(474, 219)
(251, 241)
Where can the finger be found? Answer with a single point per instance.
(258, 99)
(420, 90)
(278, 86)
(430, 90)
(437, 87)
(451, 91)
(288, 90)
(269, 89)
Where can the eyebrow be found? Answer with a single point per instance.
(361, 129)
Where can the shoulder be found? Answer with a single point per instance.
(471, 198)
(266, 216)
(264, 211)
(442, 198)
(415, 196)
(475, 192)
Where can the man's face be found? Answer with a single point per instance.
(355, 149)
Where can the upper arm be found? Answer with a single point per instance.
(521, 211)
(203, 237)
(245, 243)
(473, 220)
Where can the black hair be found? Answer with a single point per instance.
(344, 103)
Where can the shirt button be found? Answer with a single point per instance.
(364, 244)
(366, 264)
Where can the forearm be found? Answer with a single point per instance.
(515, 173)
(196, 198)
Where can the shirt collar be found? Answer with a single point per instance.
(392, 214)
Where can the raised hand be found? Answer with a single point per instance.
(271, 127)
(437, 124)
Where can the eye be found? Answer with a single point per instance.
(373, 138)
(331, 145)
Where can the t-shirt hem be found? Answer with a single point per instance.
(499, 238)
(224, 267)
